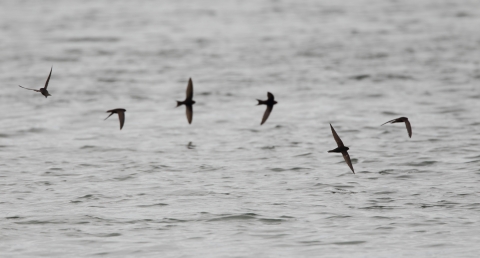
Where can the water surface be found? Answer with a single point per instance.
(73, 185)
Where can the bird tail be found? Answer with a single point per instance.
(179, 103)
(260, 102)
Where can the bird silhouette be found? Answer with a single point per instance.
(269, 102)
(44, 89)
(121, 115)
(190, 146)
(341, 149)
(188, 102)
(402, 120)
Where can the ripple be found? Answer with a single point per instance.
(245, 216)
(386, 172)
(93, 39)
(14, 217)
(152, 205)
(360, 77)
(303, 155)
(421, 164)
(349, 243)
(378, 207)
(107, 234)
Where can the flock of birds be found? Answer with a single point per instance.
(270, 102)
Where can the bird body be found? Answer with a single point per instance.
(402, 120)
(269, 102)
(43, 90)
(188, 102)
(121, 115)
(341, 149)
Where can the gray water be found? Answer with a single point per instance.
(73, 185)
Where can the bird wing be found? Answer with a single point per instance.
(389, 121)
(108, 115)
(409, 128)
(270, 96)
(121, 117)
(335, 136)
(189, 113)
(266, 114)
(346, 157)
(28, 88)
(48, 79)
(190, 89)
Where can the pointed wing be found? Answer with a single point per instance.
(270, 96)
(108, 116)
(28, 88)
(48, 79)
(189, 113)
(190, 89)
(409, 128)
(346, 157)
(335, 136)
(266, 114)
(121, 117)
(389, 121)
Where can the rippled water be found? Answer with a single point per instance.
(73, 185)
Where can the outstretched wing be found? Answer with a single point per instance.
(48, 79)
(270, 96)
(266, 114)
(28, 88)
(335, 136)
(189, 113)
(390, 121)
(409, 128)
(190, 89)
(346, 157)
(108, 115)
(121, 117)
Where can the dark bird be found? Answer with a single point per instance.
(188, 102)
(121, 115)
(402, 120)
(191, 146)
(269, 102)
(44, 89)
(341, 149)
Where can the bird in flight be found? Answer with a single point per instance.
(402, 120)
(121, 115)
(188, 102)
(269, 102)
(44, 89)
(341, 149)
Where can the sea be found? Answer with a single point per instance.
(74, 185)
